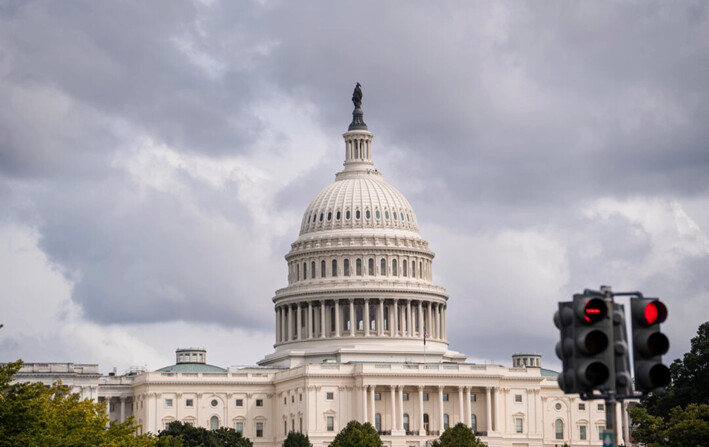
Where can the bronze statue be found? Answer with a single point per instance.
(357, 96)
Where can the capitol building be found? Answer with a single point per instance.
(360, 333)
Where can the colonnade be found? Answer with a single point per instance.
(431, 410)
(110, 407)
(360, 317)
(358, 148)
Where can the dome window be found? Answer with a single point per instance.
(314, 217)
(337, 216)
(377, 214)
(347, 214)
(394, 213)
(368, 214)
(386, 214)
(402, 216)
(329, 216)
(321, 216)
(308, 219)
(358, 214)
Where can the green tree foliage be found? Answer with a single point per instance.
(35, 415)
(357, 435)
(295, 439)
(190, 436)
(459, 435)
(690, 378)
(683, 427)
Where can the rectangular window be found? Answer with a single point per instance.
(600, 407)
(239, 402)
(425, 396)
(240, 427)
(445, 397)
(168, 402)
(582, 407)
(518, 398)
(377, 396)
(518, 425)
(259, 402)
(330, 396)
(111, 407)
(301, 397)
(259, 429)
(601, 429)
(301, 425)
(473, 398)
(285, 400)
(292, 399)
(189, 403)
(330, 423)
(582, 432)
(404, 396)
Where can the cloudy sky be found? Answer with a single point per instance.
(156, 159)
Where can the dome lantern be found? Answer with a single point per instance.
(358, 140)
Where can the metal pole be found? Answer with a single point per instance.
(610, 434)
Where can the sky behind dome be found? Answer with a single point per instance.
(156, 159)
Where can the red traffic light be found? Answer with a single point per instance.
(594, 310)
(655, 312)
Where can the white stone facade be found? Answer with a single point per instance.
(349, 344)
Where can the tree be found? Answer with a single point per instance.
(191, 436)
(295, 439)
(459, 435)
(357, 435)
(683, 427)
(690, 378)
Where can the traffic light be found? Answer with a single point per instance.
(649, 344)
(593, 354)
(621, 351)
(564, 320)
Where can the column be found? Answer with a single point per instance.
(353, 318)
(372, 403)
(488, 408)
(430, 320)
(289, 335)
(380, 318)
(123, 409)
(409, 323)
(460, 405)
(299, 322)
(365, 411)
(322, 319)
(443, 323)
(440, 409)
(395, 326)
(278, 324)
(421, 412)
(468, 410)
(393, 408)
(338, 318)
(439, 335)
(420, 319)
(401, 409)
(365, 317)
(310, 320)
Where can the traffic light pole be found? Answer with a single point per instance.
(610, 434)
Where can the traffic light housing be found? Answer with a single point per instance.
(649, 344)
(564, 320)
(593, 353)
(621, 351)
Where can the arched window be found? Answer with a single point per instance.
(347, 267)
(420, 269)
(214, 423)
(386, 318)
(371, 267)
(413, 269)
(383, 267)
(403, 268)
(425, 421)
(378, 422)
(359, 318)
(322, 269)
(358, 267)
(346, 315)
(446, 421)
(297, 272)
(334, 267)
(312, 269)
(305, 270)
(559, 429)
(406, 421)
(394, 269)
(473, 422)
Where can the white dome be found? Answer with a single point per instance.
(358, 201)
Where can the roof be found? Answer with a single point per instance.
(191, 367)
(549, 373)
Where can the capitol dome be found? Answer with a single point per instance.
(360, 279)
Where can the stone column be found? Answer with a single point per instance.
(322, 319)
(440, 409)
(395, 326)
(310, 320)
(420, 319)
(380, 318)
(372, 403)
(488, 408)
(460, 405)
(353, 318)
(443, 323)
(289, 333)
(409, 323)
(365, 317)
(365, 411)
(299, 323)
(421, 428)
(468, 410)
(338, 318)
(393, 408)
(123, 409)
(401, 409)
